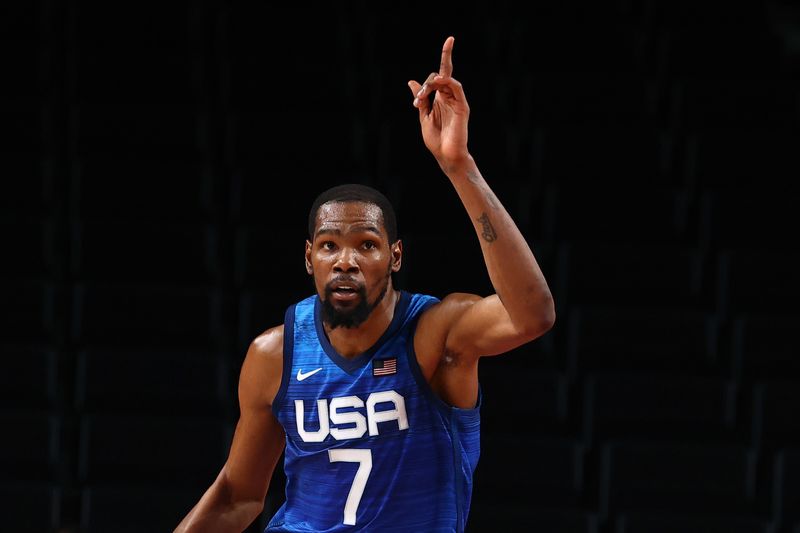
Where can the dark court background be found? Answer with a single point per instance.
(158, 161)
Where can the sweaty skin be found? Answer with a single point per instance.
(350, 243)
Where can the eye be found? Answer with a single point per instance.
(328, 245)
(370, 245)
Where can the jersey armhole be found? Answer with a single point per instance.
(444, 408)
(288, 353)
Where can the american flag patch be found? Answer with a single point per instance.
(384, 367)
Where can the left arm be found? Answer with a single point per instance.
(522, 308)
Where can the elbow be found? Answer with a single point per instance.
(541, 319)
(254, 508)
(242, 507)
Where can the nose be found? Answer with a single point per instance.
(346, 262)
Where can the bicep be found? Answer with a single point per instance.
(482, 326)
(259, 438)
(257, 445)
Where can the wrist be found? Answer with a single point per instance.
(457, 167)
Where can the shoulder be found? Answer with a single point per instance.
(262, 369)
(268, 344)
(436, 321)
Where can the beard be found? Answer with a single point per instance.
(354, 316)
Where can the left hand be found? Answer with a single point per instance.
(443, 121)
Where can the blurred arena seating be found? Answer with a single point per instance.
(158, 165)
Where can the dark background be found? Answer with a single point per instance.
(158, 161)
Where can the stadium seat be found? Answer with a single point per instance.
(762, 219)
(333, 139)
(428, 267)
(774, 405)
(786, 488)
(762, 347)
(253, 182)
(405, 168)
(499, 517)
(23, 38)
(158, 166)
(145, 251)
(601, 273)
(156, 66)
(715, 108)
(133, 128)
(737, 51)
(619, 47)
(171, 451)
(28, 248)
(152, 381)
(250, 29)
(33, 453)
(108, 186)
(30, 377)
(641, 339)
(669, 522)
(670, 476)
(615, 214)
(500, 145)
(687, 408)
(541, 398)
(101, 70)
(264, 253)
(23, 126)
(517, 469)
(27, 191)
(149, 315)
(581, 99)
(31, 316)
(128, 508)
(611, 155)
(263, 308)
(31, 507)
(757, 164)
(758, 281)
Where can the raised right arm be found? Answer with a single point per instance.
(236, 497)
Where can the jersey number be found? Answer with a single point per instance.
(364, 460)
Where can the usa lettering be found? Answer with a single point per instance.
(360, 424)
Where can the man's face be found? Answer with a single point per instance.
(351, 260)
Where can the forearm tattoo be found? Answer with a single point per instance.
(488, 232)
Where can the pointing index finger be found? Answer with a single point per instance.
(446, 66)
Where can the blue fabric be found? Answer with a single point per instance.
(423, 452)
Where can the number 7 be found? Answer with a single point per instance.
(364, 460)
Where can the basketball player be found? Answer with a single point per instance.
(373, 392)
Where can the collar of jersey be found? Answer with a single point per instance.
(351, 364)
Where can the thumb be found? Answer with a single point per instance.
(422, 103)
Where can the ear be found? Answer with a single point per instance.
(309, 268)
(397, 255)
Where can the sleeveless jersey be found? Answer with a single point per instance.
(369, 445)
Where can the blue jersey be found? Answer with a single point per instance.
(369, 445)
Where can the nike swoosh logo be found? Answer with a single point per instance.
(301, 376)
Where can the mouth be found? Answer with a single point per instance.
(344, 291)
(343, 294)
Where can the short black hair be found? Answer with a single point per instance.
(355, 192)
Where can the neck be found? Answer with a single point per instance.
(351, 342)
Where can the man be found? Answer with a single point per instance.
(372, 391)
